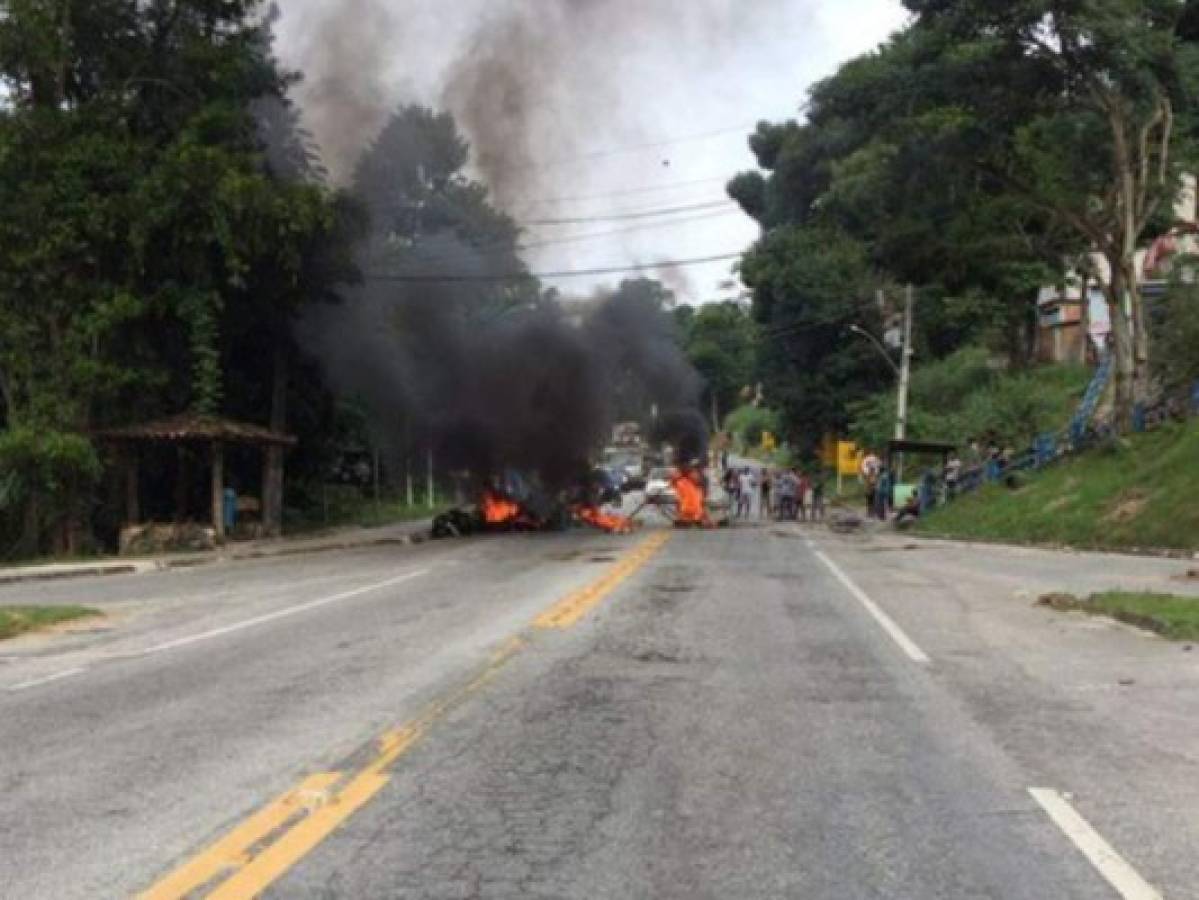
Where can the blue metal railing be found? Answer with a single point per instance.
(1077, 436)
(1090, 401)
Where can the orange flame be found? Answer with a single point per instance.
(499, 510)
(691, 498)
(595, 517)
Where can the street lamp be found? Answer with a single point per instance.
(879, 345)
(903, 371)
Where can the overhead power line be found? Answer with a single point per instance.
(430, 278)
(744, 128)
(633, 192)
(450, 257)
(594, 235)
(495, 248)
(639, 214)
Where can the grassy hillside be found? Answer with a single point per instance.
(1141, 493)
(967, 394)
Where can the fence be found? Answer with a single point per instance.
(1081, 434)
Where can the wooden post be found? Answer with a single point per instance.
(272, 466)
(182, 482)
(408, 480)
(432, 488)
(133, 507)
(218, 490)
(377, 466)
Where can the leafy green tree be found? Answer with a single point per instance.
(869, 162)
(1075, 109)
(141, 223)
(719, 340)
(1176, 360)
(809, 285)
(967, 395)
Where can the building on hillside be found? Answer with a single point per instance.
(1060, 308)
(1060, 320)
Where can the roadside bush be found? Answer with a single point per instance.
(1176, 341)
(46, 487)
(966, 394)
(747, 424)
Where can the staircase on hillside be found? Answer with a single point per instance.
(1090, 401)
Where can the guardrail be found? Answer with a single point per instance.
(1049, 448)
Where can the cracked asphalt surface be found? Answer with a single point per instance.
(729, 723)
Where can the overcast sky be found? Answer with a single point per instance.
(689, 76)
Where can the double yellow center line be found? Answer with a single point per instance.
(257, 852)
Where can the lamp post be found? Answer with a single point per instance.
(881, 349)
(903, 371)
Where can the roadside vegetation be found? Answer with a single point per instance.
(17, 620)
(969, 394)
(345, 506)
(1135, 493)
(747, 424)
(1169, 615)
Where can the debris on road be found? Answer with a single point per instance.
(845, 523)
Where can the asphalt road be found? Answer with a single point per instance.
(764, 711)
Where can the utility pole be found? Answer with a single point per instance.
(905, 367)
(905, 376)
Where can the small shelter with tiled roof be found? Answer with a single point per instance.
(211, 431)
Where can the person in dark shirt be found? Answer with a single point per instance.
(818, 497)
(910, 509)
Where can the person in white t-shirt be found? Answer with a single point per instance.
(869, 471)
(748, 488)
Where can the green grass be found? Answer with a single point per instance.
(347, 507)
(1169, 615)
(15, 620)
(1142, 493)
(965, 394)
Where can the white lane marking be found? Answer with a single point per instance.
(36, 682)
(1112, 866)
(888, 624)
(278, 614)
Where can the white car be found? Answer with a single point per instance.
(658, 486)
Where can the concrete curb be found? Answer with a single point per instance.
(1142, 552)
(17, 576)
(143, 567)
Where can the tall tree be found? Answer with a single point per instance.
(1073, 107)
(139, 219)
(720, 339)
(810, 284)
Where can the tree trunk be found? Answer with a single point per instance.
(31, 534)
(1121, 347)
(1084, 320)
(182, 483)
(218, 491)
(133, 506)
(1141, 374)
(272, 473)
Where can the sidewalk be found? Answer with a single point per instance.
(339, 539)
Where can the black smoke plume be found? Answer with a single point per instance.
(529, 388)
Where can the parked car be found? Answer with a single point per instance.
(658, 486)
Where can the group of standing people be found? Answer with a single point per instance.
(989, 458)
(783, 494)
